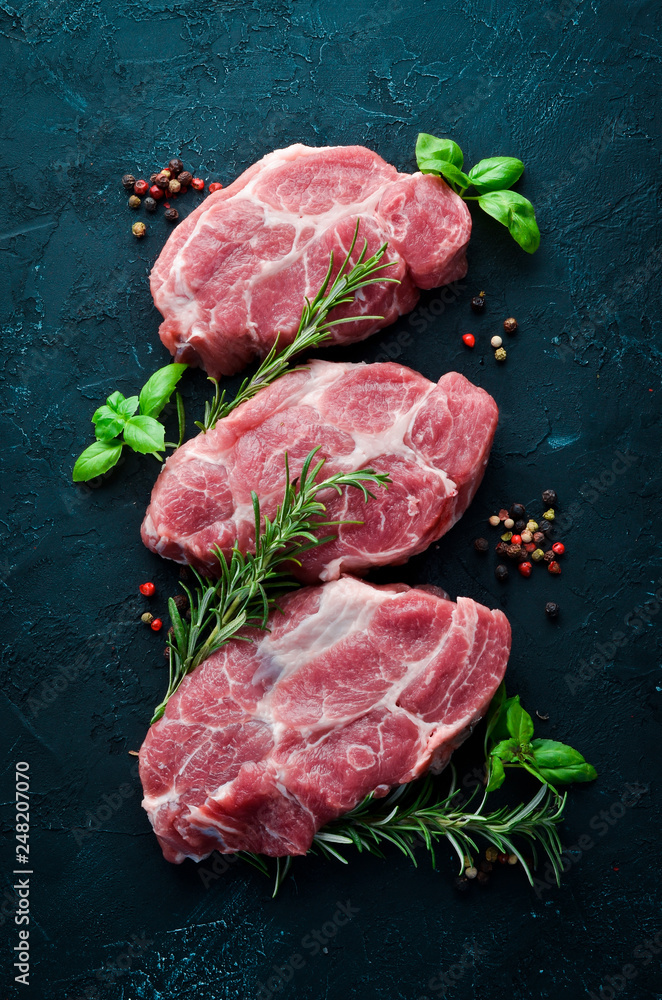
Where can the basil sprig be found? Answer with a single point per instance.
(491, 178)
(509, 743)
(131, 423)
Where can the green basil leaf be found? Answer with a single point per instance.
(500, 731)
(496, 774)
(454, 175)
(128, 406)
(495, 173)
(561, 764)
(515, 212)
(158, 389)
(431, 152)
(519, 722)
(144, 434)
(494, 713)
(115, 400)
(107, 424)
(506, 750)
(97, 459)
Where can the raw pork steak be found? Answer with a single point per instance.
(357, 688)
(433, 440)
(235, 272)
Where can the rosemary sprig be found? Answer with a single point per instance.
(314, 327)
(413, 813)
(250, 583)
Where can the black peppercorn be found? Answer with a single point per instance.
(162, 179)
(552, 609)
(481, 545)
(545, 527)
(501, 573)
(520, 526)
(549, 556)
(166, 653)
(185, 178)
(181, 602)
(501, 548)
(484, 866)
(514, 551)
(482, 878)
(517, 511)
(134, 201)
(478, 303)
(152, 178)
(510, 324)
(549, 498)
(461, 884)
(128, 181)
(175, 166)
(184, 573)
(171, 214)
(150, 205)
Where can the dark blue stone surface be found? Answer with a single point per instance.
(95, 88)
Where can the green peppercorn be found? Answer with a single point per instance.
(128, 181)
(134, 201)
(146, 617)
(549, 515)
(171, 214)
(537, 555)
(507, 535)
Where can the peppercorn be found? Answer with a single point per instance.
(549, 515)
(152, 178)
(501, 573)
(175, 166)
(147, 618)
(501, 548)
(503, 858)
(469, 339)
(554, 568)
(503, 514)
(512, 859)
(181, 602)
(141, 187)
(531, 525)
(481, 545)
(558, 548)
(156, 625)
(516, 539)
(491, 853)
(139, 229)
(482, 878)
(500, 354)
(509, 524)
(128, 181)
(171, 214)
(496, 341)
(549, 498)
(215, 186)
(478, 303)
(510, 324)
(552, 609)
(526, 536)
(548, 556)
(197, 184)
(520, 526)
(461, 884)
(162, 179)
(507, 536)
(537, 555)
(525, 568)
(174, 187)
(471, 872)
(150, 205)
(147, 589)
(485, 866)
(538, 537)
(155, 192)
(134, 201)
(185, 178)
(495, 521)
(529, 547)
(513, 551)
(545, 527)
(517, 510)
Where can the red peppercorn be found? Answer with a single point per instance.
(530, 547)
(558, 548)
(516, 540)
(156, 625)
(215, 186)
(141, 187)
(147, 589)
(554, 568)
(469, 339)
(155, 192)
(525, 568)
(197, 183)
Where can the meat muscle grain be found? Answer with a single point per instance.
(433, 440)
(355, 689)
(235, 272)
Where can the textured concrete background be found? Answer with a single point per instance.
(94, 88)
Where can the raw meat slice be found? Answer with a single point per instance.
(234, 274)
(355, 689)
(433, 440)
